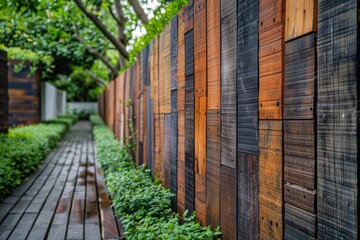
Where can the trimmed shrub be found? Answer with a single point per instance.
(23, 149)
(143, 204)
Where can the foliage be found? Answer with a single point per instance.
(22, 150)
(144, 205)
(78, 86)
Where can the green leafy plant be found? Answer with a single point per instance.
(23, 149)
(143, 205)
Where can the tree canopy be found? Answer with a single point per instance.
(96, 37)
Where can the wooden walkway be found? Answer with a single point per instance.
(64, 199)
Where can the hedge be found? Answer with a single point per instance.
(144, 205)
(23, 149)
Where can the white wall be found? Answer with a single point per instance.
(53, 101)
(88, 107)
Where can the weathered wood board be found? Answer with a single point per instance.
(213, 167)
(270, 179)
(247, 77)
(301, 18)
(228, 83)
(167, 150)
(300, 76)
(337, 121)
(228, 209)
(271, 60)
(174, 147)
(248, 198)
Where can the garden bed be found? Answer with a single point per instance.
(144, 205)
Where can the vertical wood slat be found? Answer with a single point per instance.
(247, 76)
(270, 180)
(167, 69)
(271, 60)
(213, 114)
(181, 115)
(188, 16)
(200, 87)
(167, 150)
(4, 96)
(213, 168)
(173, 148)
(228, 83)
(248, 196)
(228, 211)
(337, 120)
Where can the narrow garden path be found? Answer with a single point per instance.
(65, 198)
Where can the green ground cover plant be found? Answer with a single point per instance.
(142, 203)
(23, 149)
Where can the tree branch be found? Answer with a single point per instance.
(118, 45)
(94, 52)
(101, 82)
(139, 11)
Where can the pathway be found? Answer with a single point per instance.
(64, 199)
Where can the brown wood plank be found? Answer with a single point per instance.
(213, 53)
(167, 71)
(228, 197)
(271, 60)
(301, 18)
(270, 180)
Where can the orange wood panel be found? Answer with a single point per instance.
(167, 71)
(181, 114)
(117, 106)
(126, 99)
(200, 207)
(271, 58)
(200, 135)
(154, 70)
(213, 54)
(161, 83)
(301, 18)
(188, 16)
(122, 107)
(270, 180)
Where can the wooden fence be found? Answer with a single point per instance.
(24, 94)
(4, 96)
(247, 111)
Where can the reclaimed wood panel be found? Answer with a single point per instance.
(154, 66)
(247, 76)
(200, 48)
(213, 53)
(299, 224)
(174, 148)
(300, 153)
(167, 150)
(4, 96)
(200, 135)
(181, 114)
(213, 168)
(189, 143)
(149, 132)
(24, 91)
(174, 54)
(161, 81)
(228, 209)
(271, 60)
(167, 69)
(228, 82)
(337, 123)
(188, 16)
(301, 18)
(300, 197)
(117, 106)
(161, 136)
(247, 198)
(144, 55)
(300, 75)
(270, 180)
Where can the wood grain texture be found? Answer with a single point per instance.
(174, 53)
(337, 121)
(213, 53)
(154, 66)
(247, 77)
(23, 95)
(299, 224)
(4, 96)
(270, 180)
(271, 60)
(248, 196)
(200, 41)
(300, 153)
(213, 168)
(188, 16)
(228, 83)
(300, 76)
(167, 150)
(228, 209)
(174, 148)
(301, 18)
(200, 136)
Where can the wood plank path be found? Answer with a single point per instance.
(65, 199)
